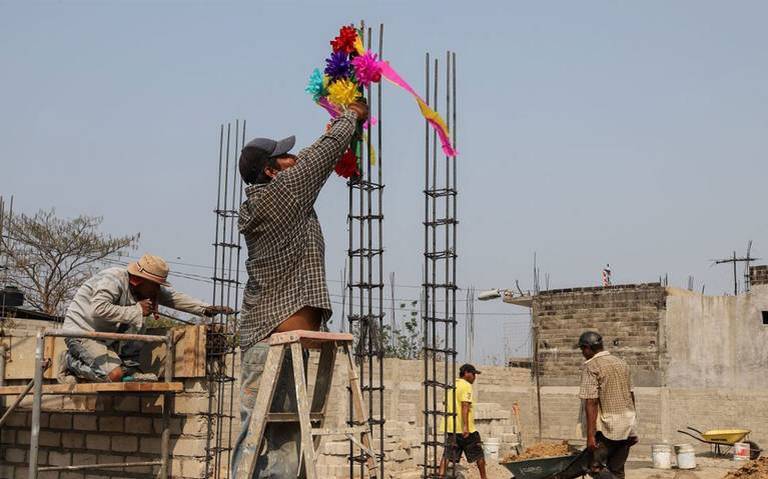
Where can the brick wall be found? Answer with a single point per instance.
(78, 430)
(628, 317)
(758, 275)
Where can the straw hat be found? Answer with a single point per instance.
(151, 267)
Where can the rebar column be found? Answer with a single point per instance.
(439, 282)
(365, 282)
(222, 332)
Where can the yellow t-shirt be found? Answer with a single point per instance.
(463, 394)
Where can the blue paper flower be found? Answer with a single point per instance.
(316, 86)
(337, 66)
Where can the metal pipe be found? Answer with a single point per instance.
(36, 404)
(166, 429)
(425, 308)
(100, 466)
(18, 400)
(2, 351)
(114, 336)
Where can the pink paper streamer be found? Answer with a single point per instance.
(430, 115)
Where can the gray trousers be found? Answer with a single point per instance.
(279, 453)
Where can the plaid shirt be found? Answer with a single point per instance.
(606, 378)
(286, 251)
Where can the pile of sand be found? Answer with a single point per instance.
(541, 449)
(757, 469)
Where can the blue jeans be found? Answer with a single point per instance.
(279, 454)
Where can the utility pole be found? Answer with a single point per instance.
(733, 259)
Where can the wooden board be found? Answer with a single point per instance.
(189, 357)
(189, 354)
(94, 388)
(20, 356)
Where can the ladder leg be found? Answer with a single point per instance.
(267, 385)
(358, 408)
(306, 449)
(323, 383)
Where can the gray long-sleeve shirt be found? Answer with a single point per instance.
(105, 302)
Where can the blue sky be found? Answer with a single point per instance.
(632, 133)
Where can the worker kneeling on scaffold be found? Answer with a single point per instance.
(117, 300)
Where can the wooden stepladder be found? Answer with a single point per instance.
(306, 415)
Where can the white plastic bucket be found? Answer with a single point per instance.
(741, 451)
(686, 456)
(662, 456)
(491, 448)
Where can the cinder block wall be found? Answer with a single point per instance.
(628, 317)
(102, 429)
(758, 275)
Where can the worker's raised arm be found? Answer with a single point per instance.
(315, 163)
(103, 305)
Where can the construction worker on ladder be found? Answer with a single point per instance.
(286, 289)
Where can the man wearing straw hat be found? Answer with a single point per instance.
(117, 300)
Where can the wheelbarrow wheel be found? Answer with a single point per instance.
(754, 450)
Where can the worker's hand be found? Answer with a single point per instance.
(591, 443)
(360, 109)
(214, 310)
(146, 307)
(633, 440)
(465, 434)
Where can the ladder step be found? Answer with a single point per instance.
(292, 416)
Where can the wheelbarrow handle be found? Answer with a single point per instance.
(695, 430)
(691, 435)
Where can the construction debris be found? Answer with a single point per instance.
(757, 469)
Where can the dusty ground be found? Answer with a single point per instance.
(707, 468)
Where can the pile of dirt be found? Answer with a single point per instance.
(541, 449)
(757, 469)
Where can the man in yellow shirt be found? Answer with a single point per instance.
(460, 428)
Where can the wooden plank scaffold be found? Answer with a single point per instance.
(167, 388)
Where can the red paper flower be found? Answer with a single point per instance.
(345, 42)
(346, 167)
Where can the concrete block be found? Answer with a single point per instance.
(18, 419)
(98, 442)
(138, 425)
(111, 424)
(190, 404)
(149, 444)
(73, 440)
(188, 447)
(193, 468)
(50, 438)
(82, 458)
(151, 404)
(125, 443)
(13, 454)
(85, 422)
(56, 458)
(126, 403)
(60, 421)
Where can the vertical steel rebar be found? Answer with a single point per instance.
(439, 287)
(427, 294)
